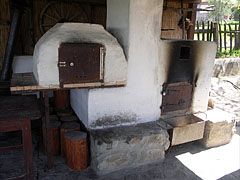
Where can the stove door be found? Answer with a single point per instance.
(80, 63)
(176, 96)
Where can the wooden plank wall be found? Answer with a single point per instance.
(4, 28)
(28, 35)
(170, 19)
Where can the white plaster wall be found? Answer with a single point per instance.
(79, 102)
(22, 64)
(204, 71)
(45, 56)
(118, 24)
(139, 101)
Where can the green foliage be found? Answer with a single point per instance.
(227, 53)
(222, 9)
(236, 11)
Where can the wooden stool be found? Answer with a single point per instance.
(76, 150)
(69, 119)
(54, 138)
(15, 114)
(67, 127)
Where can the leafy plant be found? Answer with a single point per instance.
(228, 54)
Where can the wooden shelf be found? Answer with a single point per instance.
(26, 82)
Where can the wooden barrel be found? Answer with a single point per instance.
(61, 99)
(54, 136)
(76, 150)
(72, 118)
(67, 127)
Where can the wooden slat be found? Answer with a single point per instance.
(203, 33)
(208, 33)
(235, 36)
(4, 28)
(170, 20)
(198, 30)
(231, 37)
(211, 29)
(220, 37)
(225, 37)
(25, 82)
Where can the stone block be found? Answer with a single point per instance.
(127, 146)
(218, 128)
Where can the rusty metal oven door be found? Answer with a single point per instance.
(80, 63)
(176, 96)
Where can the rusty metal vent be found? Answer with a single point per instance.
(81, 63)
(184, 53)
(176, 96)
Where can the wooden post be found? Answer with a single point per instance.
(67, 127)
(54, 138)
(47, 130)
(76, 150)
(192, 15)
(215, 33)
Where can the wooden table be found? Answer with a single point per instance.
(16, 112)
(26, 83)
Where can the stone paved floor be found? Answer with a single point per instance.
(189, 161)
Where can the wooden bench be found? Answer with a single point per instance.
(16, 113)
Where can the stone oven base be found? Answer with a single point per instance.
(127, 146)
(218, 128)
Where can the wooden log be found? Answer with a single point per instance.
(54, 138)
(64, 112)
(65, 128)
(76, 150)
(61, 99)
(72, 118)
(53, 118)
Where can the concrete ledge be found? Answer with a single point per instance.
(121, 147)
(226, 67)
(218, 128)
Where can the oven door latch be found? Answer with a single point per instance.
(61, 64)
